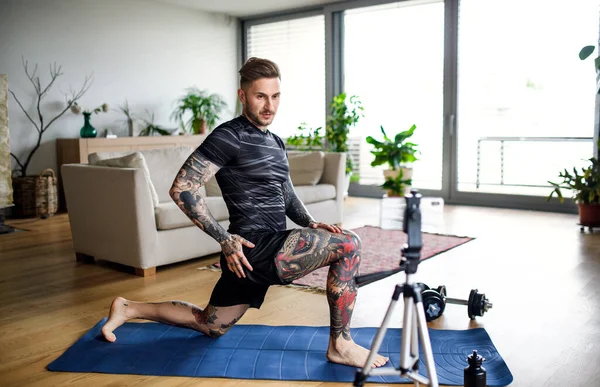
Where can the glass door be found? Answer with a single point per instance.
(525, 101)
(393, 60)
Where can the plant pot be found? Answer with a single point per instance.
(407, 173)
(35, 195)
(589, 214)
(199, 126)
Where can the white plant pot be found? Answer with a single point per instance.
(407, 173)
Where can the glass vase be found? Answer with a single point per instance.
(88, 131)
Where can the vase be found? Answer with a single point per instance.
(88, 131)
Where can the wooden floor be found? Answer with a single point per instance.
(540, 272)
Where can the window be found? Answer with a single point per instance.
(298, 48)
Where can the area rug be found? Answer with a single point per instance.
(380, 251)
(265, 352)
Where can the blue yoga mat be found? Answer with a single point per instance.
(264, 352)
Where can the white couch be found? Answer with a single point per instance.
(125, 214)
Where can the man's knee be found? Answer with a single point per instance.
(353, 242)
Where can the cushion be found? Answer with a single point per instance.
(163, 165)
(306, 168)
(169, 216)
(315, 193)
(134, 160)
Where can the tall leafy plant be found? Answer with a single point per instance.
(394, 152)
(203, 109)
(344, 113)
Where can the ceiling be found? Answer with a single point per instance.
(245, 8)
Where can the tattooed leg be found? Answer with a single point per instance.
(212, 321)
(306, 250)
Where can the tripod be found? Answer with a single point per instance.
(415, 325)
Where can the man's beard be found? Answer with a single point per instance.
(256, 117)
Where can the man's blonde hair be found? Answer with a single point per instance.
(257, 68)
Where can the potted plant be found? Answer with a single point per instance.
(36, 195)
(204, 110)
(343, 115)
(152, 129)
(585, 187)
(307, 139)
(398, 154)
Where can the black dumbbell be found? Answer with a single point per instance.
(434, 303)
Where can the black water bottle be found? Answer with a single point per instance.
(475, 374)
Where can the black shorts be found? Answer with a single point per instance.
(231, 290)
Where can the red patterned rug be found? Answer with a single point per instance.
(380, 251)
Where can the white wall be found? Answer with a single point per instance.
(144, 51)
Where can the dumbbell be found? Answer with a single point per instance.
(434, 302)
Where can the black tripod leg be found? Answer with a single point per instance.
(425, 342)
(361, 375)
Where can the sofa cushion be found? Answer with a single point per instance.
(133, 160)
(163, 165)
(169, 216)
(315, 193)
(306, 168)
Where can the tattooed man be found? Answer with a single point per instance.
(251, 167)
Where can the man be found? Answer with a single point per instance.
(250, 164)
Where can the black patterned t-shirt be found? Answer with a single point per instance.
(254, 167)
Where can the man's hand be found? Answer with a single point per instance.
(329, 227)
(232, 248)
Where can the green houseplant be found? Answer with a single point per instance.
(585, 187)
(204, 110)
(344, 113)
(306, 139)
(398, 154)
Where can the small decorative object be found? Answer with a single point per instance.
(88, 131)
(109, 134)
(204, 108)
(398, 154)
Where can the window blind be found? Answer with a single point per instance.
(298, 48)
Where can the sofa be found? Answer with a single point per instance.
(120, 210)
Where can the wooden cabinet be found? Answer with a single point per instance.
(76, 150)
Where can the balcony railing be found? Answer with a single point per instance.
(502, 140)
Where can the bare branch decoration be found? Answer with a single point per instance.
(41, 92)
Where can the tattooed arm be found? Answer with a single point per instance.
(185, 192)
(294, 208)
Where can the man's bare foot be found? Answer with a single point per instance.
(349, 353)
(117, 316)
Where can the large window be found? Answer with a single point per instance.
(298, 48)
(525, 99)
(394, 62)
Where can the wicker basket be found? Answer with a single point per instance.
(35, 195)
